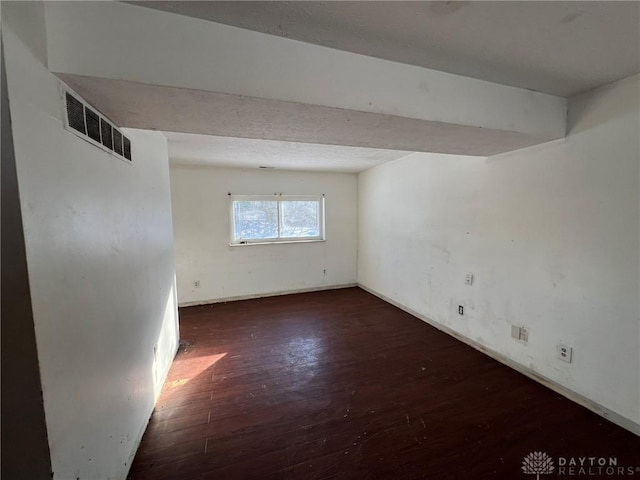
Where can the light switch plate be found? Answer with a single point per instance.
(520, 333)
(515, 332)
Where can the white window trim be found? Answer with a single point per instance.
(276, 197)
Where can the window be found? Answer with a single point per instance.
(276, 218)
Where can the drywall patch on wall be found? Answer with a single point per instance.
(99, 245)
(201, 218)
(551, 234)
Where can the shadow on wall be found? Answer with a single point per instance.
(596, 107)
(25, 451)
(30, 19)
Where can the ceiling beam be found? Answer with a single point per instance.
(159, 62)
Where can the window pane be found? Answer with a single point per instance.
(255, 219)
(300, 218)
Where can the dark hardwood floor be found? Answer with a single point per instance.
(340, 384)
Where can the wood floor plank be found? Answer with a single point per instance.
(342, 385)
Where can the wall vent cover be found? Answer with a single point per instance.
(107, 133)
(75, 113)
(89, 124)
(93, 124)
(117, 142)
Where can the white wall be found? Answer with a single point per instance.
(551, 234)
(202, 233)
(26, 455)
(99, 246)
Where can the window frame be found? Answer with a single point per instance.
(279, 198)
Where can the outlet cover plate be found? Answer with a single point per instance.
(565, 353)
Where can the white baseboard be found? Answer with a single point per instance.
(601, 410)
(269, 294)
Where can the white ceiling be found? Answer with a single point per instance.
(560, 48)
(192, 149)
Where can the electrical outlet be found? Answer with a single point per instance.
(564, 352)
(460, 310)
(196, 284)
(468, 279)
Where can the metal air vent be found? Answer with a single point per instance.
(75, 114)
(117, 142)
(89, 124)
(93, 124)
(107, 133)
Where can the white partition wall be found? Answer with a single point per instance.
(99, 247)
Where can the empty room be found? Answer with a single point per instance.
(320, 240)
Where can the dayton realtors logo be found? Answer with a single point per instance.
(539, 463)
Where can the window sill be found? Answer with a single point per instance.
(279, 242)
